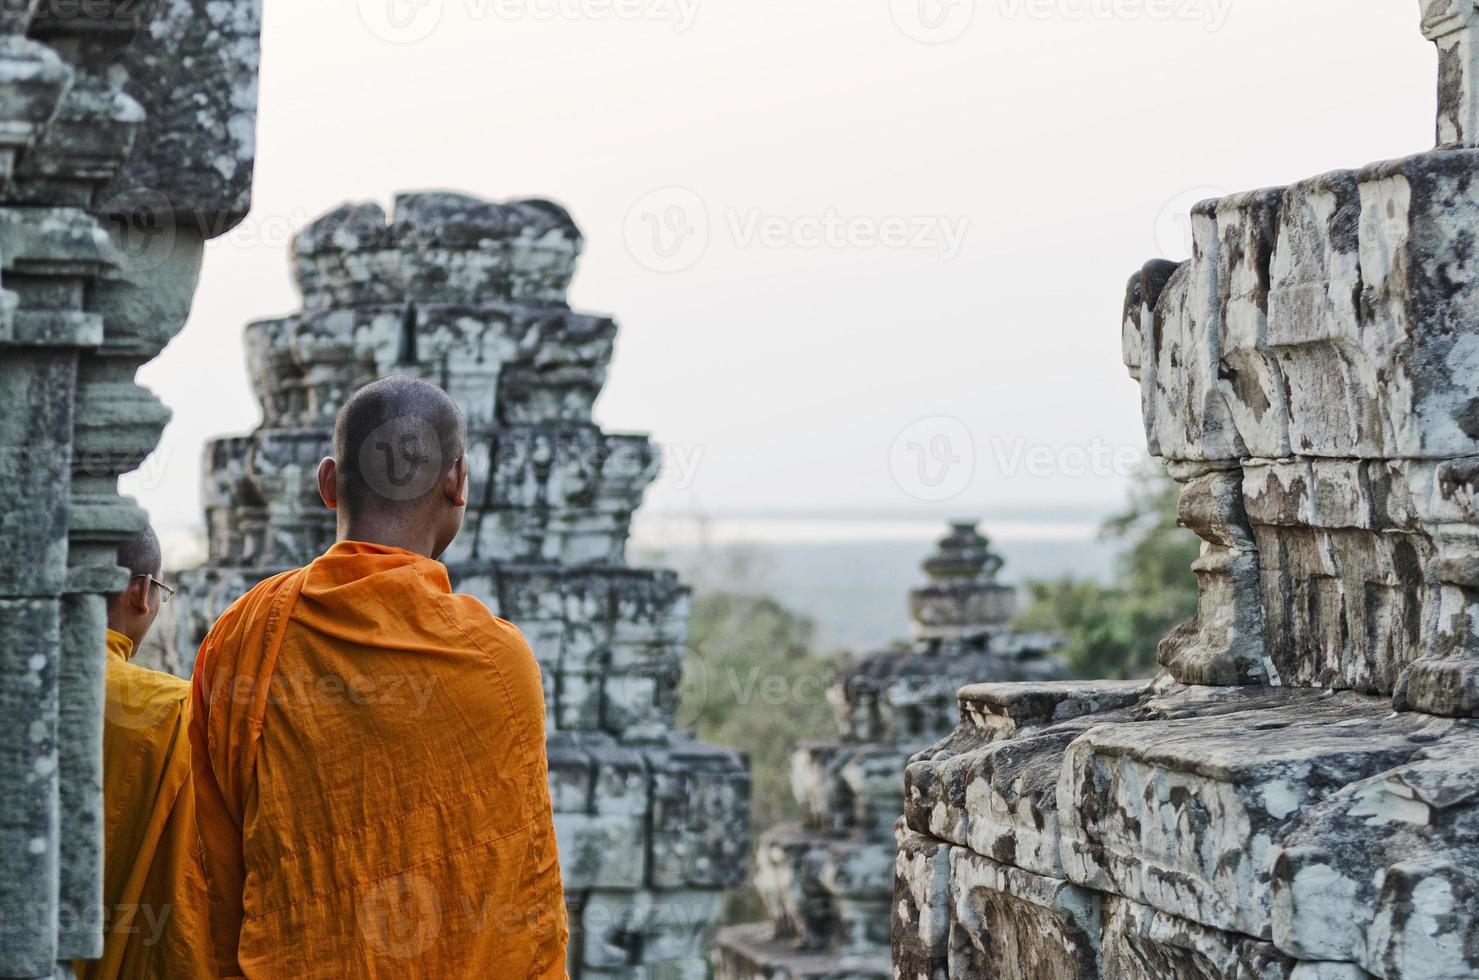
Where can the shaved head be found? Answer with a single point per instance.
(393, 441)
(140, 554)
(132, 611)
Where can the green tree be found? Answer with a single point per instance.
(751, 682)
(1113, 629)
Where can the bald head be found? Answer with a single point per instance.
(141, 555)
(132, 612)
(399, 467)
(393, 440)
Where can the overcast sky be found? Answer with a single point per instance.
(867, 255)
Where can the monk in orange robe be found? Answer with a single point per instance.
(153, 886)
(371, 778)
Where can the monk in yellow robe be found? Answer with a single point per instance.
(371, 777)
(153, 885)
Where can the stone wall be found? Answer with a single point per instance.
(1259, 809)
(827, 884)
(652, 825)
(117, 162)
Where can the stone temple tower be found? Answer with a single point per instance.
(652, 825)
(828, 883)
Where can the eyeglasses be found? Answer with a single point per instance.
(165, 592)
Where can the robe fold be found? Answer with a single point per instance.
(371, 781)
(153, 886)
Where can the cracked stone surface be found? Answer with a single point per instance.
(470, 294)
(1293, 796)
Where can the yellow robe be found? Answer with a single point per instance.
(371, 782)
(153, 886)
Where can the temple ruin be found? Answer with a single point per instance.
(469, 294)
(117, 162)
(828, 884)
(1294, 795)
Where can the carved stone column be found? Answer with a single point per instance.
(1453, 25)
(126, 137)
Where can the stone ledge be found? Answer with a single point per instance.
(748, 952)
(1182, 814)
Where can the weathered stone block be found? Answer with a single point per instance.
(1418, 221)
(663, 934)
(29, 844)
(1452, 26)
(1224, 643)
(922, 908)
(1315, 330)
(1182, 815)
(1015, 925)
(700, 824)
(749, 952)
(601, 795)
(1140, 943)
(1248, 373)
(197, 142)
(1382, 873)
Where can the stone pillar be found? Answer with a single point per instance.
(470, 294)
(827, 884)
(1453, 25)
(116, 121)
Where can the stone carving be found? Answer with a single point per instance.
(470, 294)
(1259, 810)
(117, 162)
(827, 884)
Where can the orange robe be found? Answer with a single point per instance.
(371, 780)
(153, 887)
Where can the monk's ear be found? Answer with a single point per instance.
(454, 482)
(328, 482)
(137, 594)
